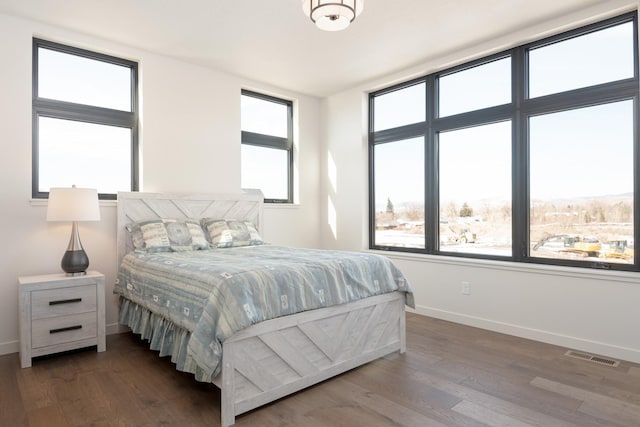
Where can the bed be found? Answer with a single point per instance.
(264, 353)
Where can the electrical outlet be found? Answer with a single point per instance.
(466, 288)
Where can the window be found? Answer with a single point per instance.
(399, 193)
(530, 155)
(267, 146)
(475, 189)
(585, 60)
(85, 120)
(387, 114)
(474, 88)
(581, 182)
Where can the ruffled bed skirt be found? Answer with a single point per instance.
(163, 336)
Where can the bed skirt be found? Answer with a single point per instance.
(163, 336)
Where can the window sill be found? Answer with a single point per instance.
(551, 270)
(278, 206)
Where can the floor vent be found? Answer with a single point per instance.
(594, 359)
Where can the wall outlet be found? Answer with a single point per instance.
(466, 288)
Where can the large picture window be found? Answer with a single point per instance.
(530, 155)
(85, 120)
(267, 146)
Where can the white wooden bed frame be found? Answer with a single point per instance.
(277, 357)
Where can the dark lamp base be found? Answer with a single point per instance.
(75, 262)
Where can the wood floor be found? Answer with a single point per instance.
(451, 375)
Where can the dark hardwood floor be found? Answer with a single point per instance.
(451, 375)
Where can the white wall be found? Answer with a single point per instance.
(589, 310)
(190, 142)
(344, 170)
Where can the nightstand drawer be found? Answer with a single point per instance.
(57, 330)
(63, 301)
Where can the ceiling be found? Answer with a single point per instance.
(274, 42)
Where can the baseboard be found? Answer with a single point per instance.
(604, 349)
(9, 347)
(116, 328)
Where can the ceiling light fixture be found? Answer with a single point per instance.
(332, 15)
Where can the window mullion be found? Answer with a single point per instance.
(267, 141)
(372, 187)
(520, 159)
(431, 201)
(636, 157)
(583, 97)
(401, 132)
(85, 113)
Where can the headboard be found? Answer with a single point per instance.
(136, 206)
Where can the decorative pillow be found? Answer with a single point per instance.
(136, 235)
(227, 233)
(165, 235)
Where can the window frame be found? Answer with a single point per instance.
(518, 111)
(65, 110)
(274, 142)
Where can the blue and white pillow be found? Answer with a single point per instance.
(166, 235)
(227, 233)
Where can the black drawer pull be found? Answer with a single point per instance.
(68, 328)
(65, 301)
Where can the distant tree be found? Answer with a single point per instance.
(451, 212)
(466, 210)
(587, 217)
(506, 212)
(389, 206)
(414, 211)
(620, 212)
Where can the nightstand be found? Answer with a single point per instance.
(60, 313)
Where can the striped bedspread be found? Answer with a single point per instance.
(215, 293)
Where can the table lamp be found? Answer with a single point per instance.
(73, 204)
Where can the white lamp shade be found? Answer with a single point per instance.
(332, 15)
(73, 204)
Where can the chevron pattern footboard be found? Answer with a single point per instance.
(278, 357)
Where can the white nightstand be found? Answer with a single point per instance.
(60, 313)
